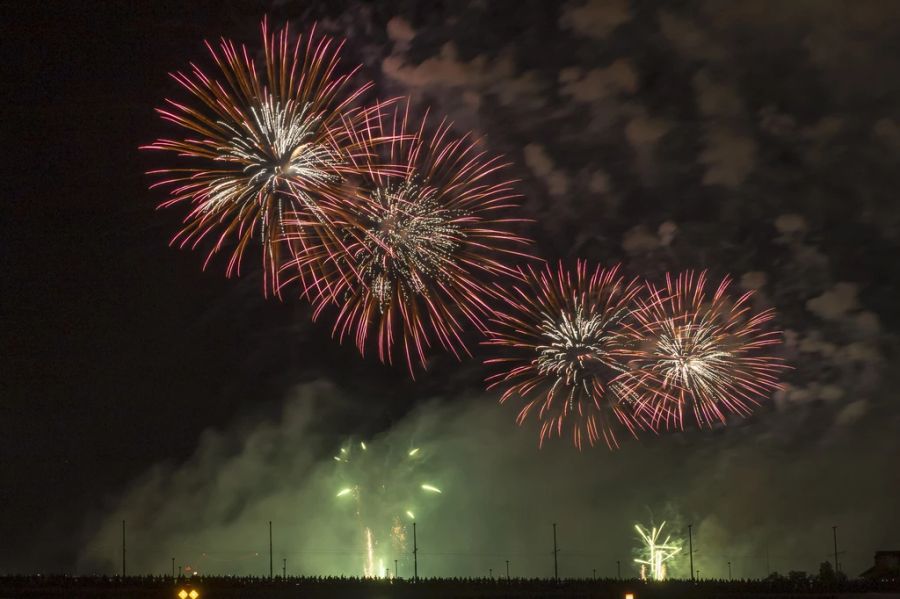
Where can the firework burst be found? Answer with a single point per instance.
(261, 140)
(385, 490)
(699, 353)
(655, 553)
(429, 227)
(564, 349)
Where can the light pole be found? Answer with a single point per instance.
(415, 556)
(555, 554)
(691, 549)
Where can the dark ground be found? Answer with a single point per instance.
(158, 587)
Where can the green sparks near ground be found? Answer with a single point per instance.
(386, 488)
(654, 554)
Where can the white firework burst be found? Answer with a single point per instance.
(410, 239)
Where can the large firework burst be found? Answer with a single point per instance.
(701, 353)
(430, 227)
(564, 351)
(261, 140)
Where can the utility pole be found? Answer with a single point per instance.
(555, 556)
(507, 570)
(491, 573)
(415, 556)
(173, 568)
(595, 574)
(396, 571)
(179, 571)
(837, 568)
(270, 549)
(691, 549)
(284, 568)
(618, 569)
(729, 570)
(123, 549)
(768, 569)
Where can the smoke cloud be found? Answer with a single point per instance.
(753, 490)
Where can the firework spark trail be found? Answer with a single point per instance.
(429, 227)
(655, 554)
(261, 141)
(383, 490)
(712, 355)
(564, 351)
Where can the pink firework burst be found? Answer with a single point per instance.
(430, 226)
(259, 140)
(563, 351)
(708, 354)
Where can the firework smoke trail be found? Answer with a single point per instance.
(384, 489)
(712, 354)
(654, 554)
(261, 140)
(564, 350)
(432, 229)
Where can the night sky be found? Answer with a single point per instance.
(758, 139)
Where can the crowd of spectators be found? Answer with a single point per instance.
(796, 584)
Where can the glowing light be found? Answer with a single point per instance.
(653, 553)
(370, 570)
(383, 494)
(183, 594)
(413, 452)
(363, 445)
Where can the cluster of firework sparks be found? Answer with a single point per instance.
(403, 233)
(384, 491)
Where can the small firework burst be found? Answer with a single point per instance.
(655, 553)
(429, 228)
(263, 140)
(705, 354)
(564, 351)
